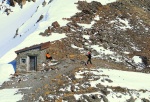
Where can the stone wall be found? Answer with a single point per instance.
(23, 56)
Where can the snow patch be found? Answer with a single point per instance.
(9, 95)
(5, 71)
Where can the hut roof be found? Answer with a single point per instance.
(41, 46)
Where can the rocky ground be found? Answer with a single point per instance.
(123, 27)
(108, 31)
(119, 27)
(49, 85)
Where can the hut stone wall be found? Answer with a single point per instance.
(23, 59)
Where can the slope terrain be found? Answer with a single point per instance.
(115, 33)
(122, 27)
(70, 80)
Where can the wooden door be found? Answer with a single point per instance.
(33, 63)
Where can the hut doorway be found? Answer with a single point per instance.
(33, 63)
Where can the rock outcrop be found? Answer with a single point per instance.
(20, 2)
(118, 26)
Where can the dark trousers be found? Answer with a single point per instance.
(89, 60)
(50, 58)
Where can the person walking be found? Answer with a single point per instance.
(89, 57)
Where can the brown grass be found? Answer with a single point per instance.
(68, 94)
(118, 89)
(47, 93)
(87, 90)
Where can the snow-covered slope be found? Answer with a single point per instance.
(25, 22)
(118, 79)
(20, 19)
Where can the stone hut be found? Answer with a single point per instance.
(31, 58)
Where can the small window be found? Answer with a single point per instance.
(23, 60)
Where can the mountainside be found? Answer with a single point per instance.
(122, 27)
(117, 33)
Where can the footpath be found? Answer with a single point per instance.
(47, 85)
(34, 84)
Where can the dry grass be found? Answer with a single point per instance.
(91, 89)
(76, 70)
(38, 90)
(58, 76)
(47, 93)
(60, 82)
(46, 86)
(54, 80)
(68, 94)
(118, 89)
(59, 100)
(87, 90)
(75, 81)
(64, 95)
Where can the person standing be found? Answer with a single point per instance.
(48, 56)
(89, 57)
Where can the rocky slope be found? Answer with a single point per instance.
(59, 83)
(123, 27)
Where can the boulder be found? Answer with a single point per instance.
(55, 24)
(104, 98)
(12, 3)
(7, 10)
(44, 3)
(23, 2)
(69, 99)
(65, 29)
(140, 62)
(72, 88)
(20, 2)
(40, 18)
(34, 0)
